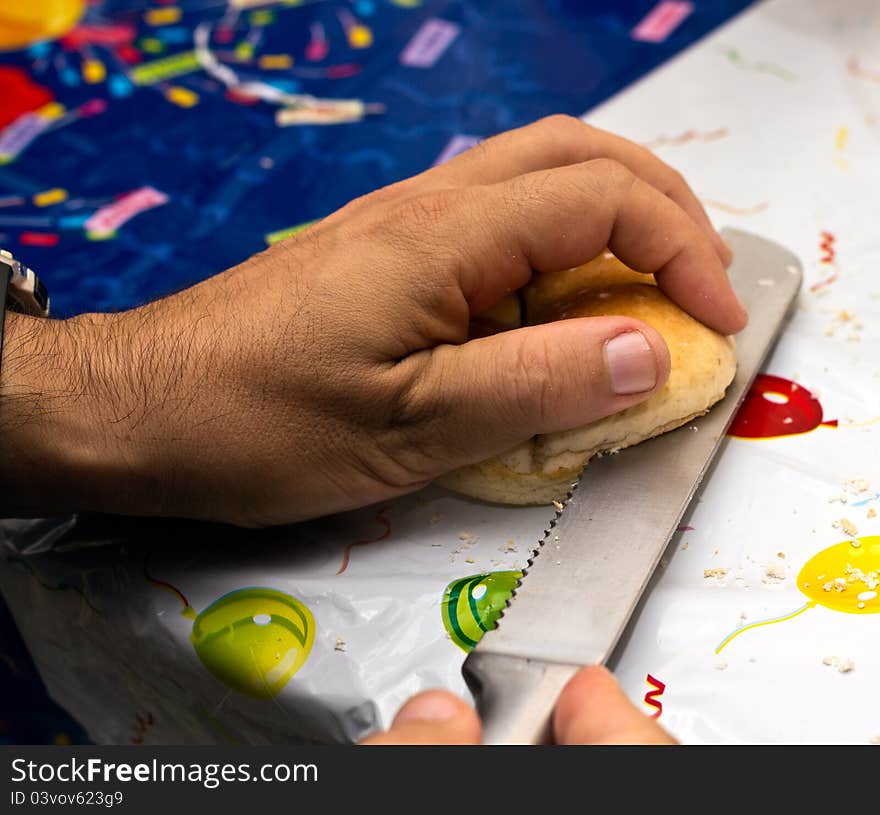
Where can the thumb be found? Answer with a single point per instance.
(492, 393)
(592, 709)
(432, 717)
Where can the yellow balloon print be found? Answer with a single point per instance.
(844, 577)
(253, 640)
(24, 22)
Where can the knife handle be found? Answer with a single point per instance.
(515, 697)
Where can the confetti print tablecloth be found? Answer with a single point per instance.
(762, 624)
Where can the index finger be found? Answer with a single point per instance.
(557, 141)
(494, 237)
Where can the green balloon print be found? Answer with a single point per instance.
(471, 605)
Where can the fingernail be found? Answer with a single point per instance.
(429, 708)
(631, 363)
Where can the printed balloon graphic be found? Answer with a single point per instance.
(471, 605)
(844, 577)
(20, 94)
(774, 407)
(253, 640)
(29, 21)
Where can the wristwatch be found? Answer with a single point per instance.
(25, 292)
(20, 290)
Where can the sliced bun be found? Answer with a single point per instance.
(703, 363)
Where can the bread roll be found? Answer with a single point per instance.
(703, 364)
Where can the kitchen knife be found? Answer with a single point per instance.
(587, 575)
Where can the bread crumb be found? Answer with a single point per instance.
(781, 555)
(844, 666)
(558, 504)
(774, 573)
(718, 573)
(340, 644)
(871, 579)
(856, 486)
(849, 527)
(468, 537)
(874, 740)
(508, 546)
(840, 499)
(872, 513)
(469, 560)
(684, 545)
(721, 665)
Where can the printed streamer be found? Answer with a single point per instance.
(346, 554)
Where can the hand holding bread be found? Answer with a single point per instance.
(702, 365)
(336, 369)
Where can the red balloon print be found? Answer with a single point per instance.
(777, 407)
(20, 94)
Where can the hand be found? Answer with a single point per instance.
(332, 370)
(592, 709)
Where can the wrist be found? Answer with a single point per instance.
(61, 450)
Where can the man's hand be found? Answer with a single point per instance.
(591, 709)
(333, 370)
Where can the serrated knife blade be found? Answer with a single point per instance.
(587, 575)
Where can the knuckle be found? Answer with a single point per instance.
(611, 176)
(523, 191)
(571, 137)
(675, 182)
(563, 125)
(610, 168)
